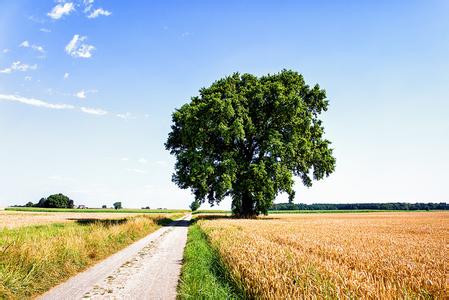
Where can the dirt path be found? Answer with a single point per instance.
(147, 269)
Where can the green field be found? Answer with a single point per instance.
(334, 211)
(98, 210)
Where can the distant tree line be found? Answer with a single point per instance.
(353, 206)
(53, 201)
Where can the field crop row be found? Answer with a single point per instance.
(376, 255)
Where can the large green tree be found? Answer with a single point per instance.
(247, 137)
(56, 201)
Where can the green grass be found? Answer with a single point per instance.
(203, 274)
(35, 258)
(97, 210)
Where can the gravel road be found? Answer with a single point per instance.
(147, 269)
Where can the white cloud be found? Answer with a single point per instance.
(137, 171)
(34, 102)
(88, 5)
(61, 9)
(125, 158)
(142, 161)
(6, 50)
(94, 111)
(38, 48)
(66, 75)
(46, 30)
(94, 13)
(77, 48)
(18, 66)
(81, 94)
(99, 12)
(28, 78)
(26, 44)
(126, 116)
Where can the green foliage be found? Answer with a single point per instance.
(195, 205)
(246, 137)
(361, 206)
(117, 205)
(54, 201)
(203, 274)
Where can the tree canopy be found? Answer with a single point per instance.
(247, 137)
(54, 201)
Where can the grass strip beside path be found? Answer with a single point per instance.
(203, 274)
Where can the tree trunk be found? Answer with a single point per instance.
(247, 209)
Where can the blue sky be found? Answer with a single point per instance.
(87, 89)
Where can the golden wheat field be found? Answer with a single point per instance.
(369, 255)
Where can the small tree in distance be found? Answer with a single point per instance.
(247, 136)
(118, 205)
(195, 205)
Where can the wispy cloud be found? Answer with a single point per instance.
(61, 9)
(46, 30)
(98, 12)
(26, 44)
(28, 78)
(126, 116)
(18, 66)
(137, 171)
(125, 159)
(143, 160)
(88, 5)
(94, 111)
(66, 75)
(36, 19)
(81, 94)
(77, 48)
(6, 50)
(92, 13)
(35, 102)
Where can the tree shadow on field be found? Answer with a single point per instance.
(179, 223)
(113, 222)
(230, 217)
(104, 222)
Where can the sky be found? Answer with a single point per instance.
(87, 89)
